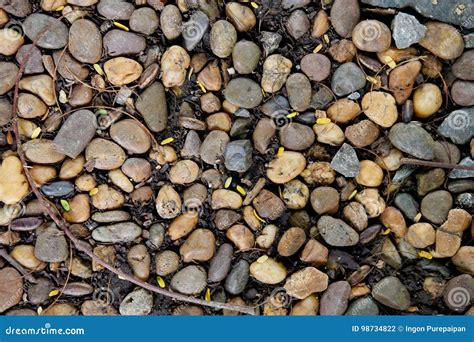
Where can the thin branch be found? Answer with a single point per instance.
(15, 264)
(83, 246)
(420, 162)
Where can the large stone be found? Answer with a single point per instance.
(47, 32)
(51, 245)
(458, 126)
(194, 29)
(412, 139)
(392, 293)
(117, 233)
(243, 92)
(345, 161)
(190, 280)
(238, 155)
(336, 232)
(347, 78)
(406, 30)
(152, 106)
(76, 132)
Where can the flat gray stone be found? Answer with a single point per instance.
(51, 245)
(335, 299)
(392, 293)
(365, 306)
(117, 233)
(347, 78)
(448, 11)
(412, 139)
(458, 126)
(220, 263)
(238, 155)
(469, 40)
(190, 280)
(336, 232)
(19, 8)
(406, 30)
(243, 92)
(346, 162)
(407, 204)
(115, 9)
(54, 34)
(459, 173)
(238, 277)
(121, 43)
(75, 133)
(194, 29)
(151, 104)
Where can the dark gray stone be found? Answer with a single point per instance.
(406, 30)
(58, 189)
(75, 133)
(346, 162)
(120, 43)
(459, 292)
(54, 34)
(151, 104)
(335, 299)
(238, 155)
(392, 293)
(243, 92)
(445, 10)
(115, 9)
(336, 232)
(270, 41)
(436, 205)
(459, 173)
(194, 29)
(347, 78)
(458, 126)
(220, 263)
(365, 306)
(51, 245)
(238, 277)
(407, 204)
(412, 139)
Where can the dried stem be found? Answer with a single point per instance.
(420, 162)
(14, 263)
(83, 246)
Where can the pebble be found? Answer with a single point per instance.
(39, 293)
(316, 66)
(220, 264)
(199, 246)
(245, 55)
(347, 78)
(25, 256)
(325, 200)
(270, 41)
(299, 91)
(345, 161)
(335, 299)
(336, 232)
(76, 132)
(370, 174)
(115, 9)
(421, 235)
(402, 79)
(34, 63)
(241, 16)
(354, 213)
(80, 209)
(427, 100)
(343, 111)
(151, 104)
(314, 253)
(85, 50)
(443, 40)
(238, 277)
(12, 288)
(297, 24)
(393, 219)
(138, 302)
(131, 136)
(291, 241)
(380, 107)
(458, 173)
(225, 218)
(138, 169)
(13, 183)
(371, 36)
(68, 67)
(191, 280)
(144, 20)
(182, 226)
(105, 154)
(184, 172)
(284, 168)
(268, 272)
(407, 30)
(40, 85)
(56, 35)
(117, 233)
(167, 262)
(412, 139)
(330, 134)
(241, 236)
(436, 205)
(171, 22)
(267, 236)
(80, 95)
(392, 293)
(8, 72)
(42, 151)
(243, 92)
(122, 43)
(463, 66)
(462, 93)
(458, 126)
(238, 155)
(345, 14)
(107, 198)
(139, 259)
(276, 69)
(365, 306)
(121, 70)
(58, 189)
(464, 259)
(223, 37)
(320, 24)
(407, 204)
(305, 282)
(110, 216)
(295, 194)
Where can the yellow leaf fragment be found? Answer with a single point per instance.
(36, 133)
(166, 141)
(417, 218)
(65, 205)
(262, 259)
(425, 254)
(386, 231)
(93, 192)
(241, 190)
(318, 48)
(352, 195)
(161, 282)
(53, 293)
(390, 62)
(323, 121)
(98, 69)
(254, 4)
(292, 115)
(203, 88)
(258, 216)
(228, 182)
(208, 295)
(280, 151)
(121, 26)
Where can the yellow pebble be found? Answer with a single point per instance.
(93, 192)
(241, 190)
(426, 255)
(121, 26)
(167, 141)
(323, 121)
(160, 282)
